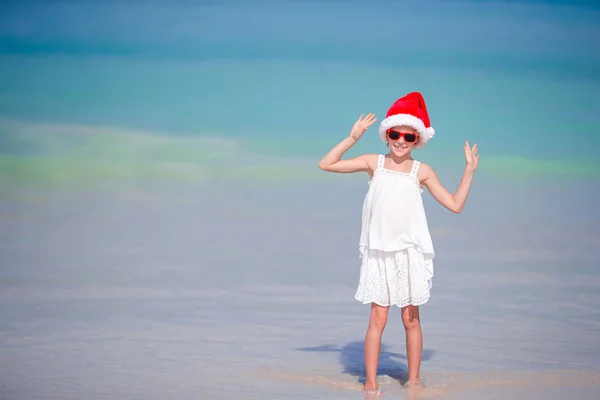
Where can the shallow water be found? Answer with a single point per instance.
(196, 295)
(246, 290)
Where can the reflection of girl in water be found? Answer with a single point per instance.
(395, 244)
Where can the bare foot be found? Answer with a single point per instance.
(371, 394)
(413, 384)
(371, 390)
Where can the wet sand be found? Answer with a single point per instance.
(243, 294)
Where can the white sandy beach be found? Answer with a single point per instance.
(236, 280)
(247, 293)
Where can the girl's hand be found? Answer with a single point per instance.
(471, 156)
(361, 125)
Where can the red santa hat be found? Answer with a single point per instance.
(409, 110)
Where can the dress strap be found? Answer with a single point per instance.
(413, 173)
(380, 160)
(415, 168)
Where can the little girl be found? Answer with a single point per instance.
(395, 244)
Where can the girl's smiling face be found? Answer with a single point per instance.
(399, 139)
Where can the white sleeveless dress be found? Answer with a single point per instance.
(395, 244)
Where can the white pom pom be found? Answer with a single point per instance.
(430, 132)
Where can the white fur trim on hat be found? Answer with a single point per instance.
(406, 120)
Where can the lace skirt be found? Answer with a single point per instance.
(399, 278)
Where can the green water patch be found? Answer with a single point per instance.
(48, 155)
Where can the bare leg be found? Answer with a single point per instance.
(414, 343)
(377, 323)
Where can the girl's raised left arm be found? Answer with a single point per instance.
(453, 202)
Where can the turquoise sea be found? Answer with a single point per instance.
(166, 231)
(272, 80)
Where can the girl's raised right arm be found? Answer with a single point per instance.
(332, 161)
